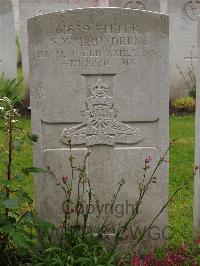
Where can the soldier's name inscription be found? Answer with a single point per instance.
(97, 45)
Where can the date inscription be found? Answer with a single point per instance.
(97, 45)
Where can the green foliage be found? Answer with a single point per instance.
(184, 105)
(16, 232)
(32, 137)
(10, 89)
(88, 252)
(192, 93)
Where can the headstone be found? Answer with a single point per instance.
(16, 15)
(196, 210)
(152, 5)
(27, 9)
(163, 6)
(100, 78)
(183, 44)
(88, 3)
(8, 60)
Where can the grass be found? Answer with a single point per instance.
(20, 77)
(181, 166)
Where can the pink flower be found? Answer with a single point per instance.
(136, 261)
(149, 259)
(154, 179)
(65, 179)
(148, 159)
(182, 248)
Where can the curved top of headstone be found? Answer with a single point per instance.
(149, 19)
(97, 9)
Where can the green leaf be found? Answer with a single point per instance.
(6, 182)
(52, 249)
(30, 170)
(20, 239)
(32, 137)
(10, 203)
(24, 197)
(17, 144)
(2, 194)
(43, 225)
(6, 223)
(19, 176)
(28, 216)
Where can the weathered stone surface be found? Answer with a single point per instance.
(8, 60)
(16, 14)
(88, 3)
(183, 44)
(100, 78)
(196, 210)
(152, 5)
(30, 8)
(27, 9)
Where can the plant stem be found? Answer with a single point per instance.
(10, 149)
(121, 230)
(163, 208)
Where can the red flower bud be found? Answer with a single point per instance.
(148, 159)
(65, 179)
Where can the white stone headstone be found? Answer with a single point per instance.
(16, 15)
(196, 210)
(8, 60)
(151, 5)
(183, 43)
(27, 9)
(100, 78)
(88, 3)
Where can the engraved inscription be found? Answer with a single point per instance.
(39, 97)
(101, 125)
(111, 45)
(192, 9)
(135, 5)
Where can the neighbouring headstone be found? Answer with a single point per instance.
(196, 210)
(88, 3)
(8, 60)
(99, 77)
(152, 5)
(163, 6)
(27, 9)
(183, 45)
(16, 15)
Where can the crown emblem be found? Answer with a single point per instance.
(100, 95)
(99, 89)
